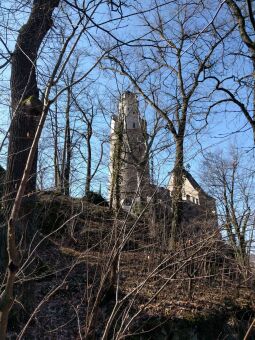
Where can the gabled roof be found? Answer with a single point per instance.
(192, 181)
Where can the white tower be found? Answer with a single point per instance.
(128, 142)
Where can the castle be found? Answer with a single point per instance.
(128, 141)
(129, 156)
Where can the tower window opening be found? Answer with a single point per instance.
(133, 125)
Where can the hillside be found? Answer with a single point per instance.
(92, 273)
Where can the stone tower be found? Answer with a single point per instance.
(128, 144)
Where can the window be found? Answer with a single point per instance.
(188, 197)
(127, 201)
(134, 125)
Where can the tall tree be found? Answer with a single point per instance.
(88, 108)
(26, 108)
(230, 180)
(25, 103)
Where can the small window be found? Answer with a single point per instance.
(127, 201)
(134, 125)
(188, 197)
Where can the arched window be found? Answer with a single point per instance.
(134, 125)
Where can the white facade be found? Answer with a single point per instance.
(129, 111)
(189, 192)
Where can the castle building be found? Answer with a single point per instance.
(193, 193)
(129, 167)
(128, 141)
(197, 204)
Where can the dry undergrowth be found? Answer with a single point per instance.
(88, 255)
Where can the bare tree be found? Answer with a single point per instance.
(24, 132)
(26, 106)
(62, 162)
(88, 108)
(237, 87)
(231, 182)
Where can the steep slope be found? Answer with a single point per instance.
(92, 271)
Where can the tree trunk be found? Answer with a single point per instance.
(25, 104)
(116, 168)
(67, 152)
(177, 206)
(89, 156)
(57, 170)
(26, 109)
